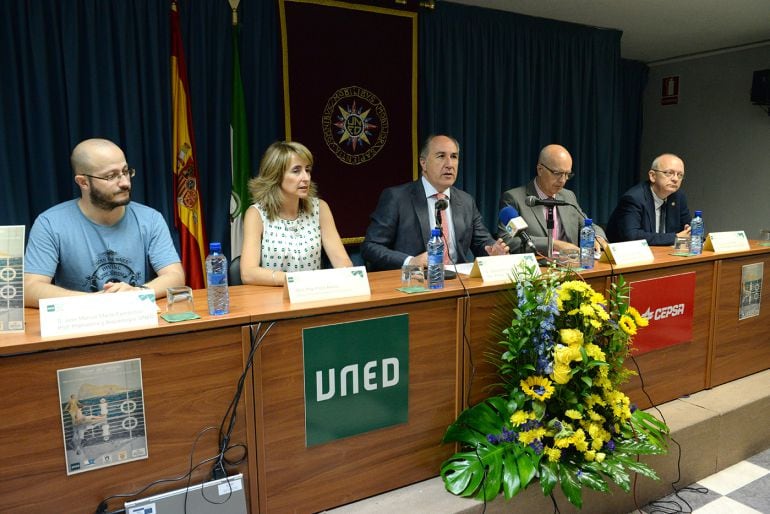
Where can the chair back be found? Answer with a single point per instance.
(234, 273)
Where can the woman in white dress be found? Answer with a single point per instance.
(287, 224)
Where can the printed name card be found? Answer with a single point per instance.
(100, 312)
(327, 284)
(503, 268)
(629, 252)
(723, 242)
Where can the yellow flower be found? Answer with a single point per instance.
(554, 454)
(595, 416)
(571, 336)
(598, 298)
(595, 352)
(627, 324)
(520, 417)
(587, 311)
(539, 388)
(561, 373)
(638, 318)
(595, 323)
(531, 435)
(600, 456)
(572, 413)
(590, 455)
(601, 313)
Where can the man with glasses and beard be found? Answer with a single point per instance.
(101, 242)
(554, 169)
(655, 210)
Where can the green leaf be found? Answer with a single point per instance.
(526, 468)
(462, 474)
(617, 473)
(511, 479)
(593, 480)
(570, 484)
(548, 476)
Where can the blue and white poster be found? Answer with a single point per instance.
(102, 413)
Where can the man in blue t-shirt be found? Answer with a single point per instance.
(101, 242)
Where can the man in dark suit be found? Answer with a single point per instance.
(554, 169)
(401, 224)
(655, 210)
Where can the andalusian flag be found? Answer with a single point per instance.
(239, 150)
(188, 216)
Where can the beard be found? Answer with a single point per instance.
(105, 202)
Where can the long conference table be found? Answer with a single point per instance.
(190, 372)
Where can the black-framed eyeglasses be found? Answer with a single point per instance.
(670, 173)
(115, 175)
(566, 175)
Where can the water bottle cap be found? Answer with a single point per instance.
(435, 232)
(698, 213)
(215, 247)
(589, 222)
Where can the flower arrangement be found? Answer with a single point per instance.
(561, 418)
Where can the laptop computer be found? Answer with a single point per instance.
(223, 496)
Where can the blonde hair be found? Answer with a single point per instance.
(265, 188)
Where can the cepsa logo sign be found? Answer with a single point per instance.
(667, 303)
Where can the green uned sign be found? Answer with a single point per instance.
(356, 377)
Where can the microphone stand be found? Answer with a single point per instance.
(549, 227)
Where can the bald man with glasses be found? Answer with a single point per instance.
(101, 242)
(554, 169)
(654, 210)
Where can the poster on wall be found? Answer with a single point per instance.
(751, 290)
(12, 278)
(102, 414)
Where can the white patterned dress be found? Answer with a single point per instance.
(292, 245)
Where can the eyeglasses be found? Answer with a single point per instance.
(671, 173)
(566, 175)
(115, 175)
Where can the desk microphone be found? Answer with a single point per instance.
(517, 227)
(442, 204)
(531, 201)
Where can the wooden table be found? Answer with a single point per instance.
(190, 371)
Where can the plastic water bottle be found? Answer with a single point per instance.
(696, 234)
(435, 260)
(587, 238)
(216, 271)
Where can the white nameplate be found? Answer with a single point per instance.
(503, 268)
(327, 284)
(722, 242)
(99, 312)
(630, 252)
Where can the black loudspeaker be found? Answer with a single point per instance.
(760, 88)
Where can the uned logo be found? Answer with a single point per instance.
(352, 375)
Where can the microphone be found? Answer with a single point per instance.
(516, 226)
(531, 201)
(441, 204)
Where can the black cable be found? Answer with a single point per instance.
(220, 468)
(662, 504)
(220, 459)
(102, 508)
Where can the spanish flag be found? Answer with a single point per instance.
(188, 216)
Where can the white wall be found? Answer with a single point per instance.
(723, 139)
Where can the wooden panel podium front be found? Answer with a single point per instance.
(190, 372)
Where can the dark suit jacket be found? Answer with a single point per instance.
(634, 217)
(400, 227)
(571, 218)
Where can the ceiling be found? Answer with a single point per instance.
(656, 30)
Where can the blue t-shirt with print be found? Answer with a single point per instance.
(82, 255)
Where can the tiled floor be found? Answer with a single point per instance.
(740, 489)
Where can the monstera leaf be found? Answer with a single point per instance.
(483, 468)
